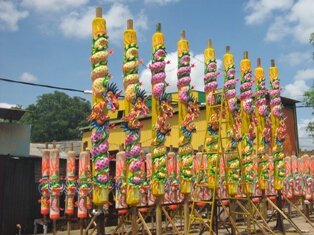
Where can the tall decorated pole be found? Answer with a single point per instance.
(161, 111)
(247, 126)
(104, 98)
(44, 182)
(212, 114)
(263, 133)
(233, 125)
(83, 185)
(135, 98)
(70, 184)
(55, 184)
(278, 127)
(188, 112)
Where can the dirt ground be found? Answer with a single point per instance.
(305, 227)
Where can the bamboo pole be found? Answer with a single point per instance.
(285, 216)
(134, 220)
(158, 216)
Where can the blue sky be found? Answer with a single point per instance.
(49, 41)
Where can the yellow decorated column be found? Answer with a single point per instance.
(233, 126)
(135, 100)
(104, 98)
(278, 126)
(263, 134)
(212, 114)
(161, 112)
(247, 126)
(188, 111)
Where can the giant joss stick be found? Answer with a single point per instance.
(233, 126)
(263, 134)
(135, 98)
(161, 111)
(188, 111)
(70, 184)
(278, 127)
(104, 98)
(55, 185)
(212, 114)
(83, 185)
(247, 126)
(70, 188)
(44, 183)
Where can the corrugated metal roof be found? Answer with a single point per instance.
(64, 147)
(11, 113)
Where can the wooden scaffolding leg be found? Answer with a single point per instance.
(144, 224)
(300, 212)
(158, 216)
(54, 227)
(186, 213)
(263, 227)
(234, 228)
(279, 223)
(171, 221)
(134, 220)
(263, 205)
(100, 222)
(286, 217)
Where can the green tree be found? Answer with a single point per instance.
(309, 96)
(309, 101)
(56, 116)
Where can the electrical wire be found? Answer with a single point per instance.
(42, 85)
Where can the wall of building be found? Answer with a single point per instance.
(117, 135)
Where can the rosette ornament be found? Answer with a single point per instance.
(233, 126)
(247, 126)
(105, 98)
(161, 112)
(278, 127)
(262, 127)
(212, 113)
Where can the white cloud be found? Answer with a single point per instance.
(79, 24)
(295, 90)
(52, 5)
(278, 30)
(289, 18)
(197, 73)
(7, 106)
(28, 77)
(305, 140)
(10, 15)
(295, 58)
(305, 74)
(301, 16)
(262, 9)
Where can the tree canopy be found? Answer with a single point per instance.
(309, 100)
(309, 96)
(56, 116)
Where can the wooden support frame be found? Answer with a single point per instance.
(299, 211)
(285, 216)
